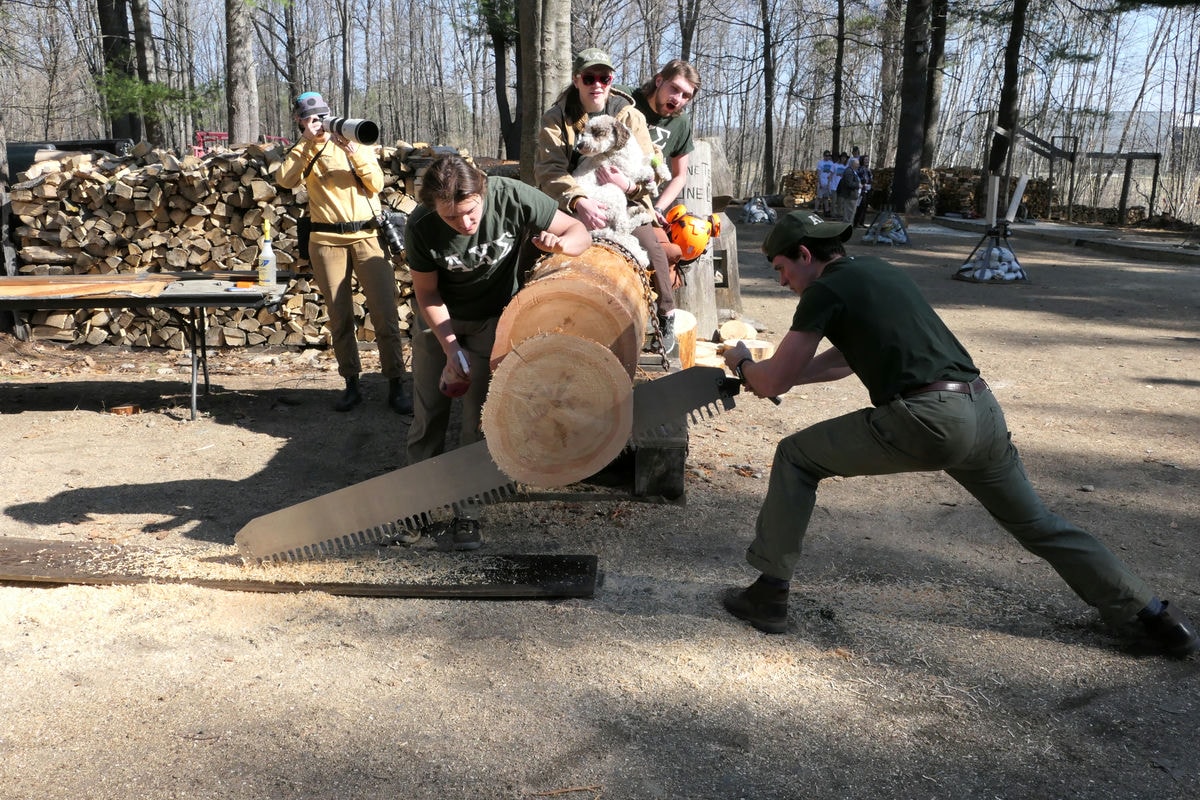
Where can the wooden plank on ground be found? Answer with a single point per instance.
(382, 572)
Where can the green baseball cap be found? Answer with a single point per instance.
(800, 225)
(591, 57)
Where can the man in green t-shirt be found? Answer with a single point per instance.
(463, 245)
(932, 411)
(663, 100)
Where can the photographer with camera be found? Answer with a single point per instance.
(342, 177)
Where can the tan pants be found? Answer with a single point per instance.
(334, 266)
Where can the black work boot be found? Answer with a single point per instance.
(398, 397)
(666, 332)
(460, 534)
(350, 397)
(762, 604)
(1171, 631)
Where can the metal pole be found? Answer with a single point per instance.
(1123, 208)
(1154, 185)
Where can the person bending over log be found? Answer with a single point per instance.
(463, 244)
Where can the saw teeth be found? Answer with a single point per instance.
(709, 411)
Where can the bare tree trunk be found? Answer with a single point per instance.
(177, 70)
(546, 61)
(347, 40)
(889, 79)
(911, 140)
(500, 16)
(118, 62)
(292, 56)
(839, 62)
(1010, 90)
(147, 63)
(768, 58)
(933, 96)
(241, 84)
(689, 17)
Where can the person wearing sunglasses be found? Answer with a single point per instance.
(592, 92)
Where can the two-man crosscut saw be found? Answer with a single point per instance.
(378, 508)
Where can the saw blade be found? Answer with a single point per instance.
(665, 405)
(377, 508)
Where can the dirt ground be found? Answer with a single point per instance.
(927, 654)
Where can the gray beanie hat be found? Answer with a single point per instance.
(310, 104)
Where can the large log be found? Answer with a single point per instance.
(560, 406)
(599, 296)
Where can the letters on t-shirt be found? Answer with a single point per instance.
(483, 255)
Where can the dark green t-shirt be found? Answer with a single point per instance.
(673, 135)
(477, 274)
(876, 316)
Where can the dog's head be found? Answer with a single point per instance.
(602, 134)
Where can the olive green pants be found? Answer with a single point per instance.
(431, 408)
(966, 437)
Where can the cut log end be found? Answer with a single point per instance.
(559, 409)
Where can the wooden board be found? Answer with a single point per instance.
(394, 572)
(685, 337)
(79, 286)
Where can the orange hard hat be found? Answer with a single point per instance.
(690, 232)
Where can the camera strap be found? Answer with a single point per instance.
(366, 191)
(382, 222)
(312, 163)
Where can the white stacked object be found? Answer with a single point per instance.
(995, 262)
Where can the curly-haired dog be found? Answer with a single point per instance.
(605, 141)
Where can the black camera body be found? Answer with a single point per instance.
(391, 230)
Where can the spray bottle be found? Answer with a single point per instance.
(266, 258)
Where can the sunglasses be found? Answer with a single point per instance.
(589, 78)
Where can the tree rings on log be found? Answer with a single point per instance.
(598, 296)
(559, 409)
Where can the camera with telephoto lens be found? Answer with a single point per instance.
(362, 131)
(391, 230)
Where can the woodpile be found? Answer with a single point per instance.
(959, 190)
(799, 188)
(98, 213)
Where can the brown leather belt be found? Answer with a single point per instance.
(973, 388)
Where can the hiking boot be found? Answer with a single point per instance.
(404, 536)
(1172, 631)
(764, 607)
(399, 398)
(460, 534)
(350, 397)
(666, 334)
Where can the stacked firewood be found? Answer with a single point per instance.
(96, 213)
(799, 188)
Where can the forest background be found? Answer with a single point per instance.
(913, 83)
